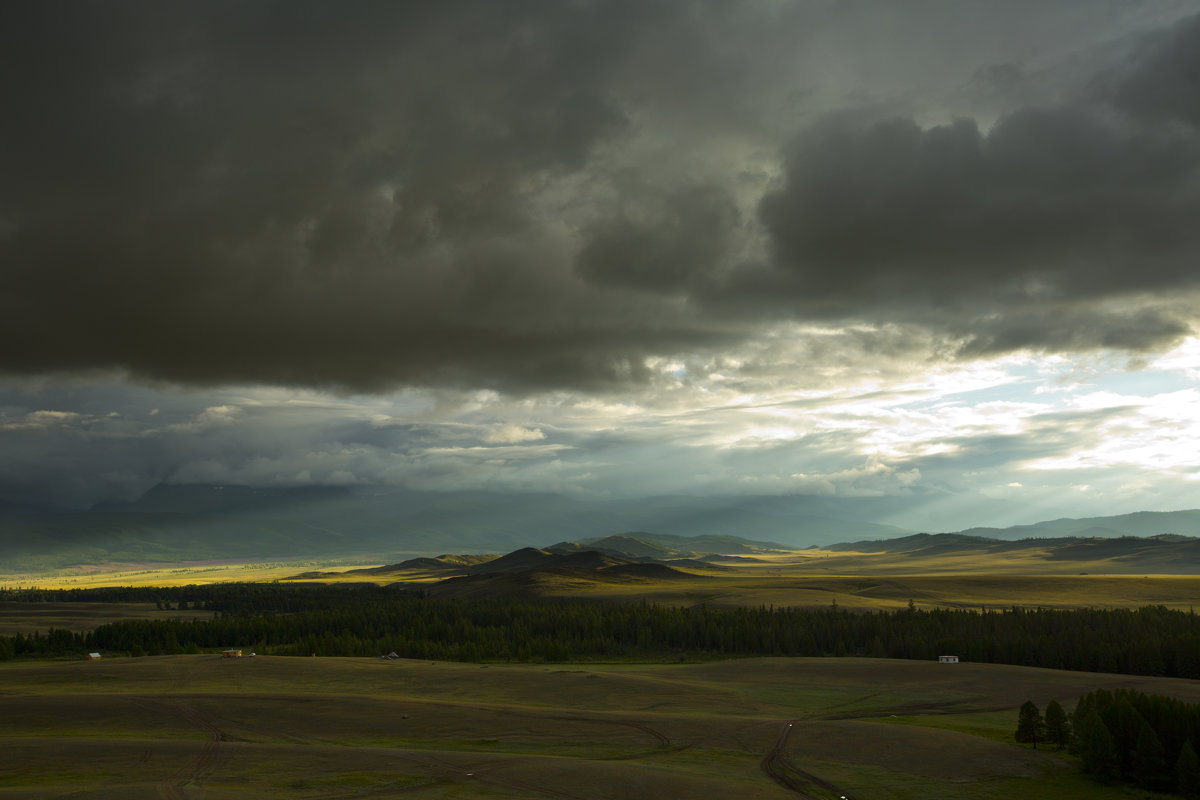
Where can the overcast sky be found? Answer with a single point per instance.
(941, 249)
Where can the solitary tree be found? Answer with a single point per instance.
(1058, 727)
(1030, 725)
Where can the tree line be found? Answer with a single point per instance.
(1124, 736)
(366, 620)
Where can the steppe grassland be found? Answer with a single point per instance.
(864, 592)
(25, 618)
(795, 580)
(316, 727)
(163, 574)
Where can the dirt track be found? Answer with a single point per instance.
(783, 771)
(200, 766)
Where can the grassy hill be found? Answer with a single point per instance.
(272, 727)
(943, 552)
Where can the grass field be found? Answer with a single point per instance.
(795, 579)
(26, 618)
(891, 592)
(199, 726)
(202, 726)
(161, 575)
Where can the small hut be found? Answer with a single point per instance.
(93, 656)
(947, 659)
(231, 653)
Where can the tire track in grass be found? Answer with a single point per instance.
(779, 768)
(200, 766)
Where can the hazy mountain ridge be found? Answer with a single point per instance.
(1157, 526)
(174, 523)
(1140, 523)
(178, 523)
(1166, 553)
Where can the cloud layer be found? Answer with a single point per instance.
(932, 252)
(530, 196)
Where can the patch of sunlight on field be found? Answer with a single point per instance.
(174, 574)
(754, 587)
(813, 579)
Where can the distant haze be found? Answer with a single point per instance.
(929, 264)
(199, 523)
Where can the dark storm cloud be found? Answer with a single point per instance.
(1007, 235)
(1162, 79)
(1047, 195)
(518, 195)
(306, 192)
(664, 244)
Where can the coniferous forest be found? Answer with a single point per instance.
(1144, 739)
(1124, 736)
(369, 620)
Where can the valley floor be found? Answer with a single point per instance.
(802, 582)
(202, 726)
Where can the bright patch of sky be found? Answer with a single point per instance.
(1028, 433)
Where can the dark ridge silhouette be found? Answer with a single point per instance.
(645, 571)
(442, 563)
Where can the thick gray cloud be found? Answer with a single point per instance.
(1011, 237)
(665, 243)
(303, 193)
(538, 195)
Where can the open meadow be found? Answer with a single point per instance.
(1031, 577)
(202, 726)
(26, 618)
(867, 592)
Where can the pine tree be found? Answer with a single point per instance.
(1030, 725)
(1097, 749)
(1187, 772)
(1058, 727)
(1124, 723)
(1149, 764)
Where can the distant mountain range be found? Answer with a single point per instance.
(647, 559)
(1141, 523)
(1164, 553)
(178, 523)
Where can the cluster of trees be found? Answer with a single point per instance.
(1055, 727)
(365, 620)
(1125, 735)
(1146, 739)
